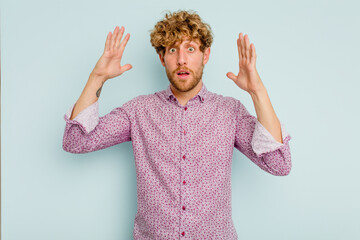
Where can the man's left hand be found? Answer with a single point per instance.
(248, 78)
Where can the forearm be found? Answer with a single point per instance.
(266, 114)
(89, 132)
(89, 95)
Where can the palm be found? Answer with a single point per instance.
(248, 78)
(109, 64)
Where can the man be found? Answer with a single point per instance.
(183, 137)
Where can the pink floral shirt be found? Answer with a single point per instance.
(183, 158)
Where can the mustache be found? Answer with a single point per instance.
(183, 68)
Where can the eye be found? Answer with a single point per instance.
(191, 49)
(172, 50)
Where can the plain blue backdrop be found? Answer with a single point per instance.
(308, 58)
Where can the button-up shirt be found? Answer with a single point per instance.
(183, 158)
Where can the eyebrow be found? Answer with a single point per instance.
(192, 43)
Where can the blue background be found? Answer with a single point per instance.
(308, 58)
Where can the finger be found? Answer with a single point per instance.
(253, 52)
(124, 42)
(241, 54)
(118, 38)
(247, 47)
(231, 75)
(239, 47)
(107, 43)
(112, 44)
(125, 68)
(242, 44)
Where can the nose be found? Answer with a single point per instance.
(182, 59)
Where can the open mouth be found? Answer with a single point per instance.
(183, 73)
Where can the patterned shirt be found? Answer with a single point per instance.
(183, 158)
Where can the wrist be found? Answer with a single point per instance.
(258, 93)
(94, 77)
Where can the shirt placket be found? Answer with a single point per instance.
(184, 181)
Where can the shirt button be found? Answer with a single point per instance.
(183, 207)
(184, 157)
(185, 108)
(183, 233)
(184, 182)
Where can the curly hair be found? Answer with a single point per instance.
(177, 25)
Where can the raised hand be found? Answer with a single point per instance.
(109, 65)
(248, 78)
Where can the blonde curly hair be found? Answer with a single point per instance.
(177, 25)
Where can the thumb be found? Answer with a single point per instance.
(231, 75)
(126, 67)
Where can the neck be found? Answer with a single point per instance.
(184, 97)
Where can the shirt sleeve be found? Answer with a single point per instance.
(88, 132)
(255, 142)
(262, 140)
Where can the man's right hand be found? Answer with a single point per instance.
(108, 65)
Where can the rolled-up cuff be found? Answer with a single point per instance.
(87, 118)
(263, 142)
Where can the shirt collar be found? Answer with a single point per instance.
(201, 94)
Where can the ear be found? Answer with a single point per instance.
(206, 55)
(162, 59)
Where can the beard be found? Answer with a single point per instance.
(188, 84)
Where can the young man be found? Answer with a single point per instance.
(183, 137)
